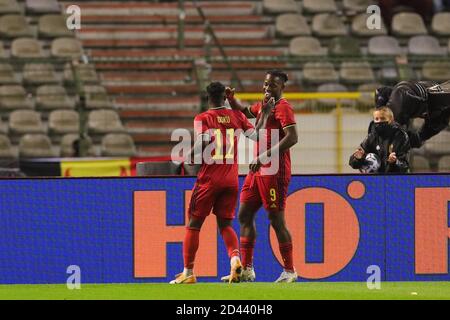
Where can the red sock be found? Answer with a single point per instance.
(247, 246)
(231, 241)
(286, 254)
(190, 246)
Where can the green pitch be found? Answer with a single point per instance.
(219, 291)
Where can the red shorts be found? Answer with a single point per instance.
(221, 200)
(269, 191)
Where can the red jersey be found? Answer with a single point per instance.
(222, 126)
(282, 116)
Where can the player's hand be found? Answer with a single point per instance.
(392, 158)
(268, 106)
(359, 153)
(229, 92)
(255, 165)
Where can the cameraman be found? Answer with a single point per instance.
(417, 99)
(388, 141)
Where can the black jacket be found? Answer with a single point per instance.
(397, 141)
(413, 99)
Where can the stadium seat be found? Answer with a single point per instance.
(319, 72)
(359, 27)
(35, 146)
(330, 104)
(444, 164)
(439, 144)
(25, 121)
(291, 25)
(49, 97)
(26, 48)
(356, 72)
(436, 70)
(419, 164)
(63, 121)
(389, 71)
(425, 46)
(6, 149)
(9, 7)
(86, 74)
(344, 47)
(314, 6)
(53, 26)
(14, 97)
(118, 145)
(328, 25)
(366, 101)
(280, 6)
(40, 73)
(67, 48)
(67, 146)
(407, 24)
(104, 121)
(97, 98)
(354, 6)
(15, 26)
(384, 46)
(42, 6)
(7, 74)
(306, 46)
(441, 24)
(3, 53)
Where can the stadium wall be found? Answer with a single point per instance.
(124, 230)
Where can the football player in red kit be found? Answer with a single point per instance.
(217, 133)
(267, 187)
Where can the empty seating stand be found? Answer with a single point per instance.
(291, 25)
(14, 97)
(9, 7)
(63, 122)
(36, 146)
(118, 145)
(281, 6)
(26, 48)
(408, 24)
(50, 97)
(53, 26)
(14, 26)
(38, 7)
(328, 25)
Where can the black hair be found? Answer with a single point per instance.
(382, 95)
(279, 73)
(216, 93)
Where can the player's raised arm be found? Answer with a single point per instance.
(236, 105)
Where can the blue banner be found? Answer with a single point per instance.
(124, 230)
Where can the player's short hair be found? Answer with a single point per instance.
(279, 73)
(216, 92)
(387, 111)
